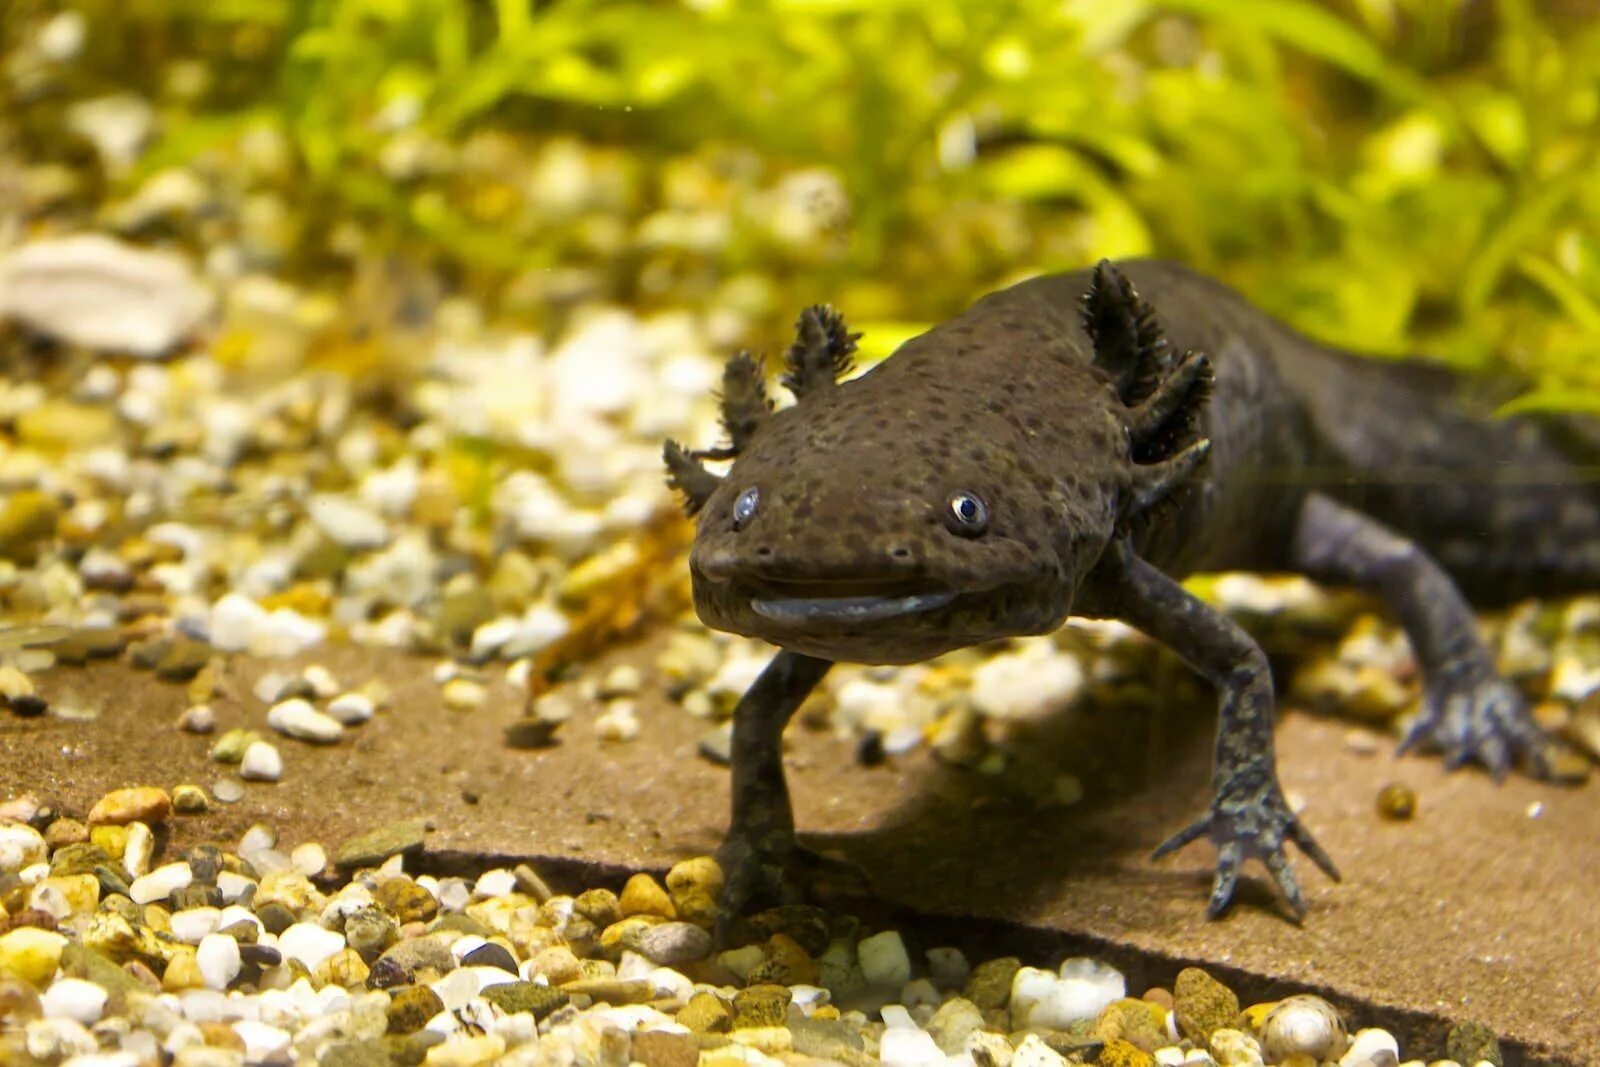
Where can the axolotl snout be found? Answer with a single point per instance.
(916, 509)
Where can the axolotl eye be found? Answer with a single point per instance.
(744, 508)
(967, 514)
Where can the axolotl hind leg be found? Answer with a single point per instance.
(1469, 712)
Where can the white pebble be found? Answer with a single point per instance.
(496, 883)
(1033, 682)
(323, 683)
(351, 709)
(160, 883)
(348, 522)
(233, 886)
(199, 719)
(298, 719)
(907, 1046)
(53, 1040)
(309, 858)
(257, 837)
(218, 959)
(948, 967)
(262, 763)
(493, 635)
(74, 998)
(20, 846)
(619, 722)
(140, 846)
(1033, 1052)
(1372, 1048)
(235, 622)
(309, 943)
(192, 924)
(1041, 1000)
(1303, 1024)
(884, 961)
(260, 1039)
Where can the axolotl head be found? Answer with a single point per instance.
(946, 498)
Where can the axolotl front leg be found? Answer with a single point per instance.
(763, 863)
(1248, 816)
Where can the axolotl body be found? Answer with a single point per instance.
(1073, 446)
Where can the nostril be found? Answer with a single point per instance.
(900, 552)
(764, 551)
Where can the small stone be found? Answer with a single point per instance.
(146, 804)
(952, 1023)
(673, 944)
(1371, 1048)
(1473, 1043)
(761, 1006)
(76, 999)
(227, 790)
(1119, 1053)
(659, 1048)
(884, 960)
(1042, 1000)
(643, 895)
(375, 846)
(463, 694)
(219, 961)
(1397, 802)
(1202, 1004)
(160, 883)
(230, 747)
(706, 1013)
(31, 954)
(406, 900)
(14, 685)
(183, 660)
(1136, 1022)
(1303, 1025)
(410, 1008)
(786, 963)
(990, 985)
(20, 846)
(599, 906)
(298, 719)
(309, 943)
(198, 719)
(1234, 1048)
(189, 799)
(490, 954)
(369, 931)
(345, 969)
(514, 997)
(262, 763)
(352, 709)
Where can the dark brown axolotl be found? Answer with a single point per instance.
(1059, 450)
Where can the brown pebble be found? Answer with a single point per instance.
(1397, 802)
(144, 803)
(406, 900)
(64, 832)
(658, 1048)
(1157, 995)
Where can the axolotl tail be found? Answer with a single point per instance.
(1509, 505)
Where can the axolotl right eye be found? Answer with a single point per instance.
(967, 514)
(744, 508)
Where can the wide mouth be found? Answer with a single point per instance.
(872, 607)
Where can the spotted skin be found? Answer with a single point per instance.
(1121, 429)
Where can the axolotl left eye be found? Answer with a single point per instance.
(744, 508)
(967, 514)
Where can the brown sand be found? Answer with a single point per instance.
(1473, 910)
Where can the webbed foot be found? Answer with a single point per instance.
(763, 875)
(1469, 713)
(1251, 823)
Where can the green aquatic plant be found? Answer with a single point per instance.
(1390, 175)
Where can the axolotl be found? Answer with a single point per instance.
(1075, 445)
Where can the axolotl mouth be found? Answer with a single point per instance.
(847, 609)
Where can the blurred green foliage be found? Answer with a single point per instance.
(1389, 175)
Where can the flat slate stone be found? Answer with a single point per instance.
(1480, 908)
